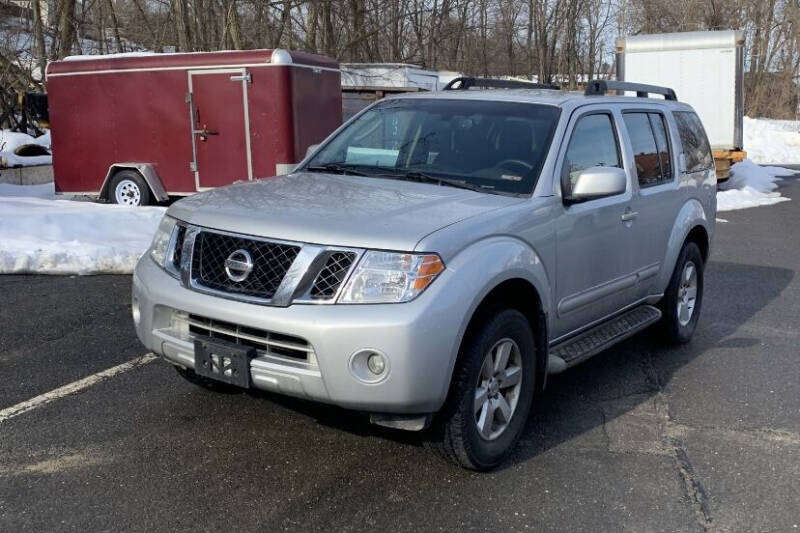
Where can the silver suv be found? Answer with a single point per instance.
(441, 254)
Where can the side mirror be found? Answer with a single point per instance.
(311, 149)
(597, 182)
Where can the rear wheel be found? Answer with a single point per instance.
(492, 394)
(684, 296)
(129, 188)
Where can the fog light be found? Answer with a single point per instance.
(376, 364)
(369, 365)
(135, 310)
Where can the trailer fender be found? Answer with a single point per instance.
(148, 172)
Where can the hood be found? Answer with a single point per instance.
(338, 210)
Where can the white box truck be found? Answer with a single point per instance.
(705, 69)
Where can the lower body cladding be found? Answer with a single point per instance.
(392, 360)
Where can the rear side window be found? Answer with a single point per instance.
(650, 146)
(593, 144)
(694, 142)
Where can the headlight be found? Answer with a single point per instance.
(160, 246)
(388, 277)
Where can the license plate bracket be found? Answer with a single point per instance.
(223, 361)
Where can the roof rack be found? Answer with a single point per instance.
(464, 83)
(601, 87)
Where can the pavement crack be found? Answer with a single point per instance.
(606, 436)
(694, 489)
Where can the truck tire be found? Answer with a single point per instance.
(207, 383)
(491, 395)
(684, 296)
(129, 188)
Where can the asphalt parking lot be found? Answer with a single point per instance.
(640, 438)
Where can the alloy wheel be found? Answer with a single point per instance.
(498, 388)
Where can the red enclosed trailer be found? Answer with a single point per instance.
(135, 127)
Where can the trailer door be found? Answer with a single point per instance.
(220, 126)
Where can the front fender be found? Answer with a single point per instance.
(691, 214)
(484, 265)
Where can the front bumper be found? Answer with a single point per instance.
(419, 339)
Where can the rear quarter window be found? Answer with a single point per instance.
(694, 142)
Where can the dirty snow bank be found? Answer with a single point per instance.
(11, 140)
(751, 185)
(768, 141)
(39, 233)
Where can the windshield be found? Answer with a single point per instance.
(496, 146)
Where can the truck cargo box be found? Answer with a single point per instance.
(705, 69)
(187, 122)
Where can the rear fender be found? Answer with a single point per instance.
(691, 215)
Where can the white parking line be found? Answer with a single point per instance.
(75, 386)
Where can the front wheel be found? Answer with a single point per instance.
(684, 296)
(492, 393)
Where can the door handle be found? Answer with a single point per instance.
(629, 215)
(204, 133)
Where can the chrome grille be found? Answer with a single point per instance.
(177, 250)
(332, 275)
(265, 342)
(271, 261)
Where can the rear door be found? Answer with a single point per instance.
(657, 197)
(220, 126)
(593, 238)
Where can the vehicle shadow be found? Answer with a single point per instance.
(632, 373)
(621, 378)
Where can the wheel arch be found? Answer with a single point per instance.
(520, 294)
(503, 269)
(699, 236)
(691, 224)
(148, 173)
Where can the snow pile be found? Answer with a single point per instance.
(12, 140)
(41, 234)
(768, 141)
(89, 57)
(750, 186)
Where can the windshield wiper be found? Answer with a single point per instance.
(335, 168)
(450, 182)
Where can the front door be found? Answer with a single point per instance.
(220, 126)
(593, 240)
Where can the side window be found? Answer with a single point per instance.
(648, 137)
(694, 142)
(659, 124)
(593, 144)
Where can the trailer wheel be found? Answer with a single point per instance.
(128, 188)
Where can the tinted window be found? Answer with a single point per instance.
(659, 124)
(499, 146)
(593, 144)
(694, 142)
(649, 144)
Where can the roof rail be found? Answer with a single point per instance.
(601, 87)
(464, 83)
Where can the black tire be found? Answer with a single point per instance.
(136, 190)
(672, 328)
(456, 436)
(207, 383)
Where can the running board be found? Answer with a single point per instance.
(581, 347)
